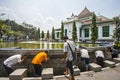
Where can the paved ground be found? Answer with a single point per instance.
(107, 74)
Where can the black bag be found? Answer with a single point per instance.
(73, 53)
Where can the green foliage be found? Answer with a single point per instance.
(37, 34)
(10, 28)
(1, 32)
(117, 21)
(53, 33)
(94, 29)
(117, 29)
(117, 44)
(42, 35)
(74, 31)
(62, 30)
(48, 34)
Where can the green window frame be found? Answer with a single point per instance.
(86, 32)
(80, 32)
(105, 31)
(58, 34)
(65, 32)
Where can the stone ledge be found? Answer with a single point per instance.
(87, 72)
(118, 64)
(109, 63)
(116, 60)
(105, 68)
(32, 78)
(18, 74)
(95, 67)
(4, 78)
(47, 73)
(58, 77)
(76, 71)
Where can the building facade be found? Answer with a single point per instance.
(83, 21)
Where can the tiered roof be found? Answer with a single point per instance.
(85, 13)
(85, 17)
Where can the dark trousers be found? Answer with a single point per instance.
(100, 61)
(86, 60)
(38, 69)
(114, 56)
(69, 65)
(8, 69)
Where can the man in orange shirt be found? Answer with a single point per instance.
(37, 62)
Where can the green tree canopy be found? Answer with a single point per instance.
(53, 33)
(48, 34)
(117, 29)
(11, 28)
(94, 29)
(42, 34)
(74, 31)
(62, 30)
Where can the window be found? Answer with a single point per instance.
(65, 32)
(86, 32)
(57, 34)
(105, 31)
(80, 32)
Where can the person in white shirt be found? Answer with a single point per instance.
(85, 57)
(12, 60)
(68, 55)
(99, 57)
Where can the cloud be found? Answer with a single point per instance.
(9, 13)
(31, 17)
(50, 20)
(48, 23)
(39, 21)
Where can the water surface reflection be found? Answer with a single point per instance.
(40, 45)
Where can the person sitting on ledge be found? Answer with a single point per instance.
(12, 60)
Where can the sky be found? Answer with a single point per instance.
(46, 14)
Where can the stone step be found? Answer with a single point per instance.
(110, 64)
(47, 73)
(32, 78)
(18, 74)
(4, 78)
(95, 67)
(76, 71)
(116, 60)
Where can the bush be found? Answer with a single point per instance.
(117, 44)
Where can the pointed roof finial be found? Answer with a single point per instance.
(85, 13)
